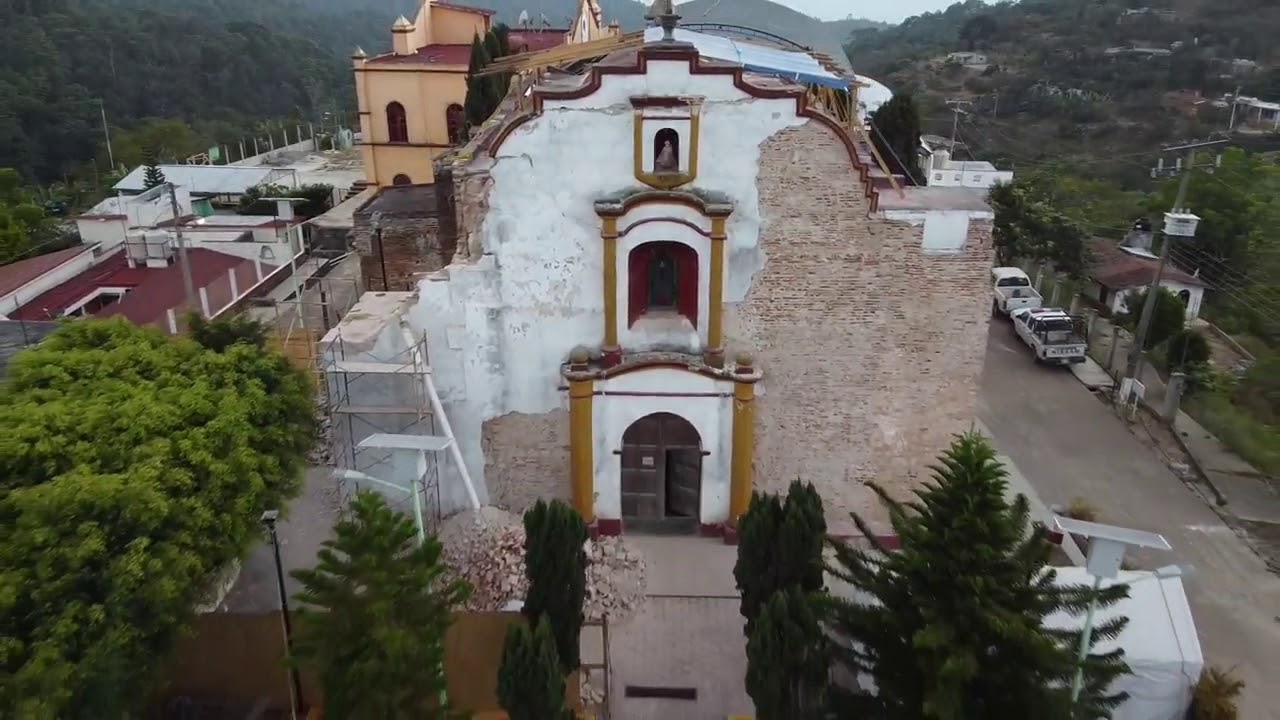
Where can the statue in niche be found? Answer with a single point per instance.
(666, 162)
(662, 282)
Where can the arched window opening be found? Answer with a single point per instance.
(397, 123)
(456, 122)
(666, 151)
(663, 279)
(1185, 297)
(401, 179)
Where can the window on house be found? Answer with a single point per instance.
(455, 121)
(663, 279)
(666, 151)
(397, 123)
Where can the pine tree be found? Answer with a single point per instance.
(154, 176)
(479, 89)
(374, 614)
(530, 685)
(955, 626)
(788, 659)
(555, 562)
(896, 133)
(495, 46)
(779, 546)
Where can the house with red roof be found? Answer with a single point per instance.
(1118, 271)
(411, 99)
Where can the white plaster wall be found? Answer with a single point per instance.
(109, 233)
(1119, 299)
(944, 231)
(711, 416)
(497, 339)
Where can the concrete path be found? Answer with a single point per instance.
(1091, 375)
(1068, 444)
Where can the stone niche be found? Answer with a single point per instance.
(666, 140)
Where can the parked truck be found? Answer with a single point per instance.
(1054, 336)
(1011, 290)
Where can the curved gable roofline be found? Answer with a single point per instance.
(697, 66)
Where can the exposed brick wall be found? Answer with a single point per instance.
(526, 457)
(410, 247)
(872, 350)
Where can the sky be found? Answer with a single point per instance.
(893, 12)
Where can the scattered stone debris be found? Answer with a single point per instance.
(592, 696)
(486, 548)
(322, 448)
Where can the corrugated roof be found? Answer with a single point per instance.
(1117, 269)
(795, 66)
(428, 55)
(15, 275)
(204, 179)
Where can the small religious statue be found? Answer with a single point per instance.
(666, 162)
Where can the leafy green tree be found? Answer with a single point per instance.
(316, 199)
(495, 45)
(530, 684)
(479, 102)
(788, 659)
(954, 624)
(222, 333)
(1027, 227)
(555, 562)
(1169, 315)
(134, 467)
(374, 614)
(779, 547)
(1187, 348)
(896, 133)
(154, 176)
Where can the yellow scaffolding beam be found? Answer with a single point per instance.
(539, 59)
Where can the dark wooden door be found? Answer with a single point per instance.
(661, 473)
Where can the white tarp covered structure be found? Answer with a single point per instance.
(1160, 643)
(797, 66)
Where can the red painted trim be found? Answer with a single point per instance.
(686, 269)
(463, 8)
(644, 101)
(416, 67)
(637, 393)
(711, 530)
(696, 67)
(677, 221)
(609, 527)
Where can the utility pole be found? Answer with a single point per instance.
(188, 287)
(1177, 223)
(1235, 100)
(955, 106)
(102, 108)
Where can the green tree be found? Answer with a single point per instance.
(530, 684)
(555, 562)
(374, 613)
(154, 176)
(788, 659)
(495, 46)
(134, 467)
(479, 102)
(1187, 348)
(1168, 316)
(218, 335)
(779, 547)
(1027, 227)
(896, 133)
(954, 627)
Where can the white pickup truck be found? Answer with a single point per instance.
(1054, 336)
(1011, 290)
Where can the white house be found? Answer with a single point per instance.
(967, 58)
(1120, 272)
(941, 171)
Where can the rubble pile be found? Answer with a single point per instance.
(486, 548)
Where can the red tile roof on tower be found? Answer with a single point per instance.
(15, 275)
(428, 55)
(465, 8)
(152, 292)
(535, 39)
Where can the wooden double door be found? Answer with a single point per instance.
(661, 474)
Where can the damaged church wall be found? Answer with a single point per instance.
(871, 341)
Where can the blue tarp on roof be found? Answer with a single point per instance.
(796, 66)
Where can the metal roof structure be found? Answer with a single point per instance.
(210, 179)
(796, 66)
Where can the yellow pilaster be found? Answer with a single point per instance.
(714, 355)
(609, 234)
(744, 425)
(581, 457)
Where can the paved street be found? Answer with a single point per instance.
(1068, 444)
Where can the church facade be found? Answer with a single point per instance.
(675, 283)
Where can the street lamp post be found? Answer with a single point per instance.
(102, 108)
(269, 518)
(1107, 546)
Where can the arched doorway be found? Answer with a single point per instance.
(661, 474)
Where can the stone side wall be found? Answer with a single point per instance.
(872, 351)
(411, 246)
(526, 458)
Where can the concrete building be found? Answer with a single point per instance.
(968, 59)
(411, 99)
(941, 171)
(672, 282)
(1119, 272)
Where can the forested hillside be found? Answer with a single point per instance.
(221, 65)
(1078, 78)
